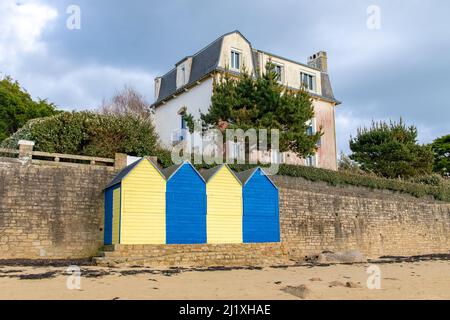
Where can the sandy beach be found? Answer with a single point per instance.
(402, 280)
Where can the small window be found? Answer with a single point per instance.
(183, 74)
(310, 130)
(311, 161)
(235, 60)
(183, 122)
(279, 72)
(308, 81)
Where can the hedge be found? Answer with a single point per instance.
(439, 192)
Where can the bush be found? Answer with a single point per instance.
(89, 133)
(391, 150)
(420, 187)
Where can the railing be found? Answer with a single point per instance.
(68, 158)
(8, 151)
(25, 154)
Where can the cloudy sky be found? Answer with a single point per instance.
(401, 69)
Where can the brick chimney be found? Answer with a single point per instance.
(319, 61)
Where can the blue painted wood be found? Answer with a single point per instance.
(108, 205)
(186, 207)
(261, 222)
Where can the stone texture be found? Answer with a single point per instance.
(316, 217)
(56, 211)
(51, 211)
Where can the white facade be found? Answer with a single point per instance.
(194, 95)
(167, 116)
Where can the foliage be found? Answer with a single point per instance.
(426, 186)
(89, 133)
(17, 107)
(391, 150)
(244, 102)
(441, 150)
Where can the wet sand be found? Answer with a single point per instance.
(402, 280)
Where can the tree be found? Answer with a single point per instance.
(126, 101)
(441, 149)
(391, 150)
(246, 102)
(17, 107)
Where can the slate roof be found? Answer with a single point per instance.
(169, 171)
(244, 176)
(203, 62)
(206, 61)
(208, 174)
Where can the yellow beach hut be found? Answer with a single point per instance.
(135, 205)
(224, 205)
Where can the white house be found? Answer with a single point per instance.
(190, 85)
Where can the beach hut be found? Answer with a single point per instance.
(224, 205)
(261, 222)
(135, 205)
(185, 205)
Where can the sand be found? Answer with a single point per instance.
(406, 280)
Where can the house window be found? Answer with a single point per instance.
(279, 72)
(311, 161)
(308, 81)
(277, 157)
(310, 130)
(182, 131)
(183, 75)
(235, 60)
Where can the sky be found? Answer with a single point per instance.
(387, 59)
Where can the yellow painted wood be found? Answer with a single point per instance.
(224, 208)
(143, 206)
(116, 216)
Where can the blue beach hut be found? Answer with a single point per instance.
(261, 221)
(185, 205)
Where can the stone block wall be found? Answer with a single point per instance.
(198, 255)
(316, 217)
(51, 211)
(56, 212)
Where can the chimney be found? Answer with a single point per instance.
(319, 61)
(157, 87)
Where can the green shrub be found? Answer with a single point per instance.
(89, 133)
(425, 187)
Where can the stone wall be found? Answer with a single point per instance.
(316, 217)
(198, 255)
(51, 211)
(56, 211)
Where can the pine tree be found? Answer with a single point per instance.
(246, 102)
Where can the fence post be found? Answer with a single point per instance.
(25, 150)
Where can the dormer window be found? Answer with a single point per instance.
(235, 60)
(308, 81)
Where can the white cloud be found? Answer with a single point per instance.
(70, 86)
(21, 28)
